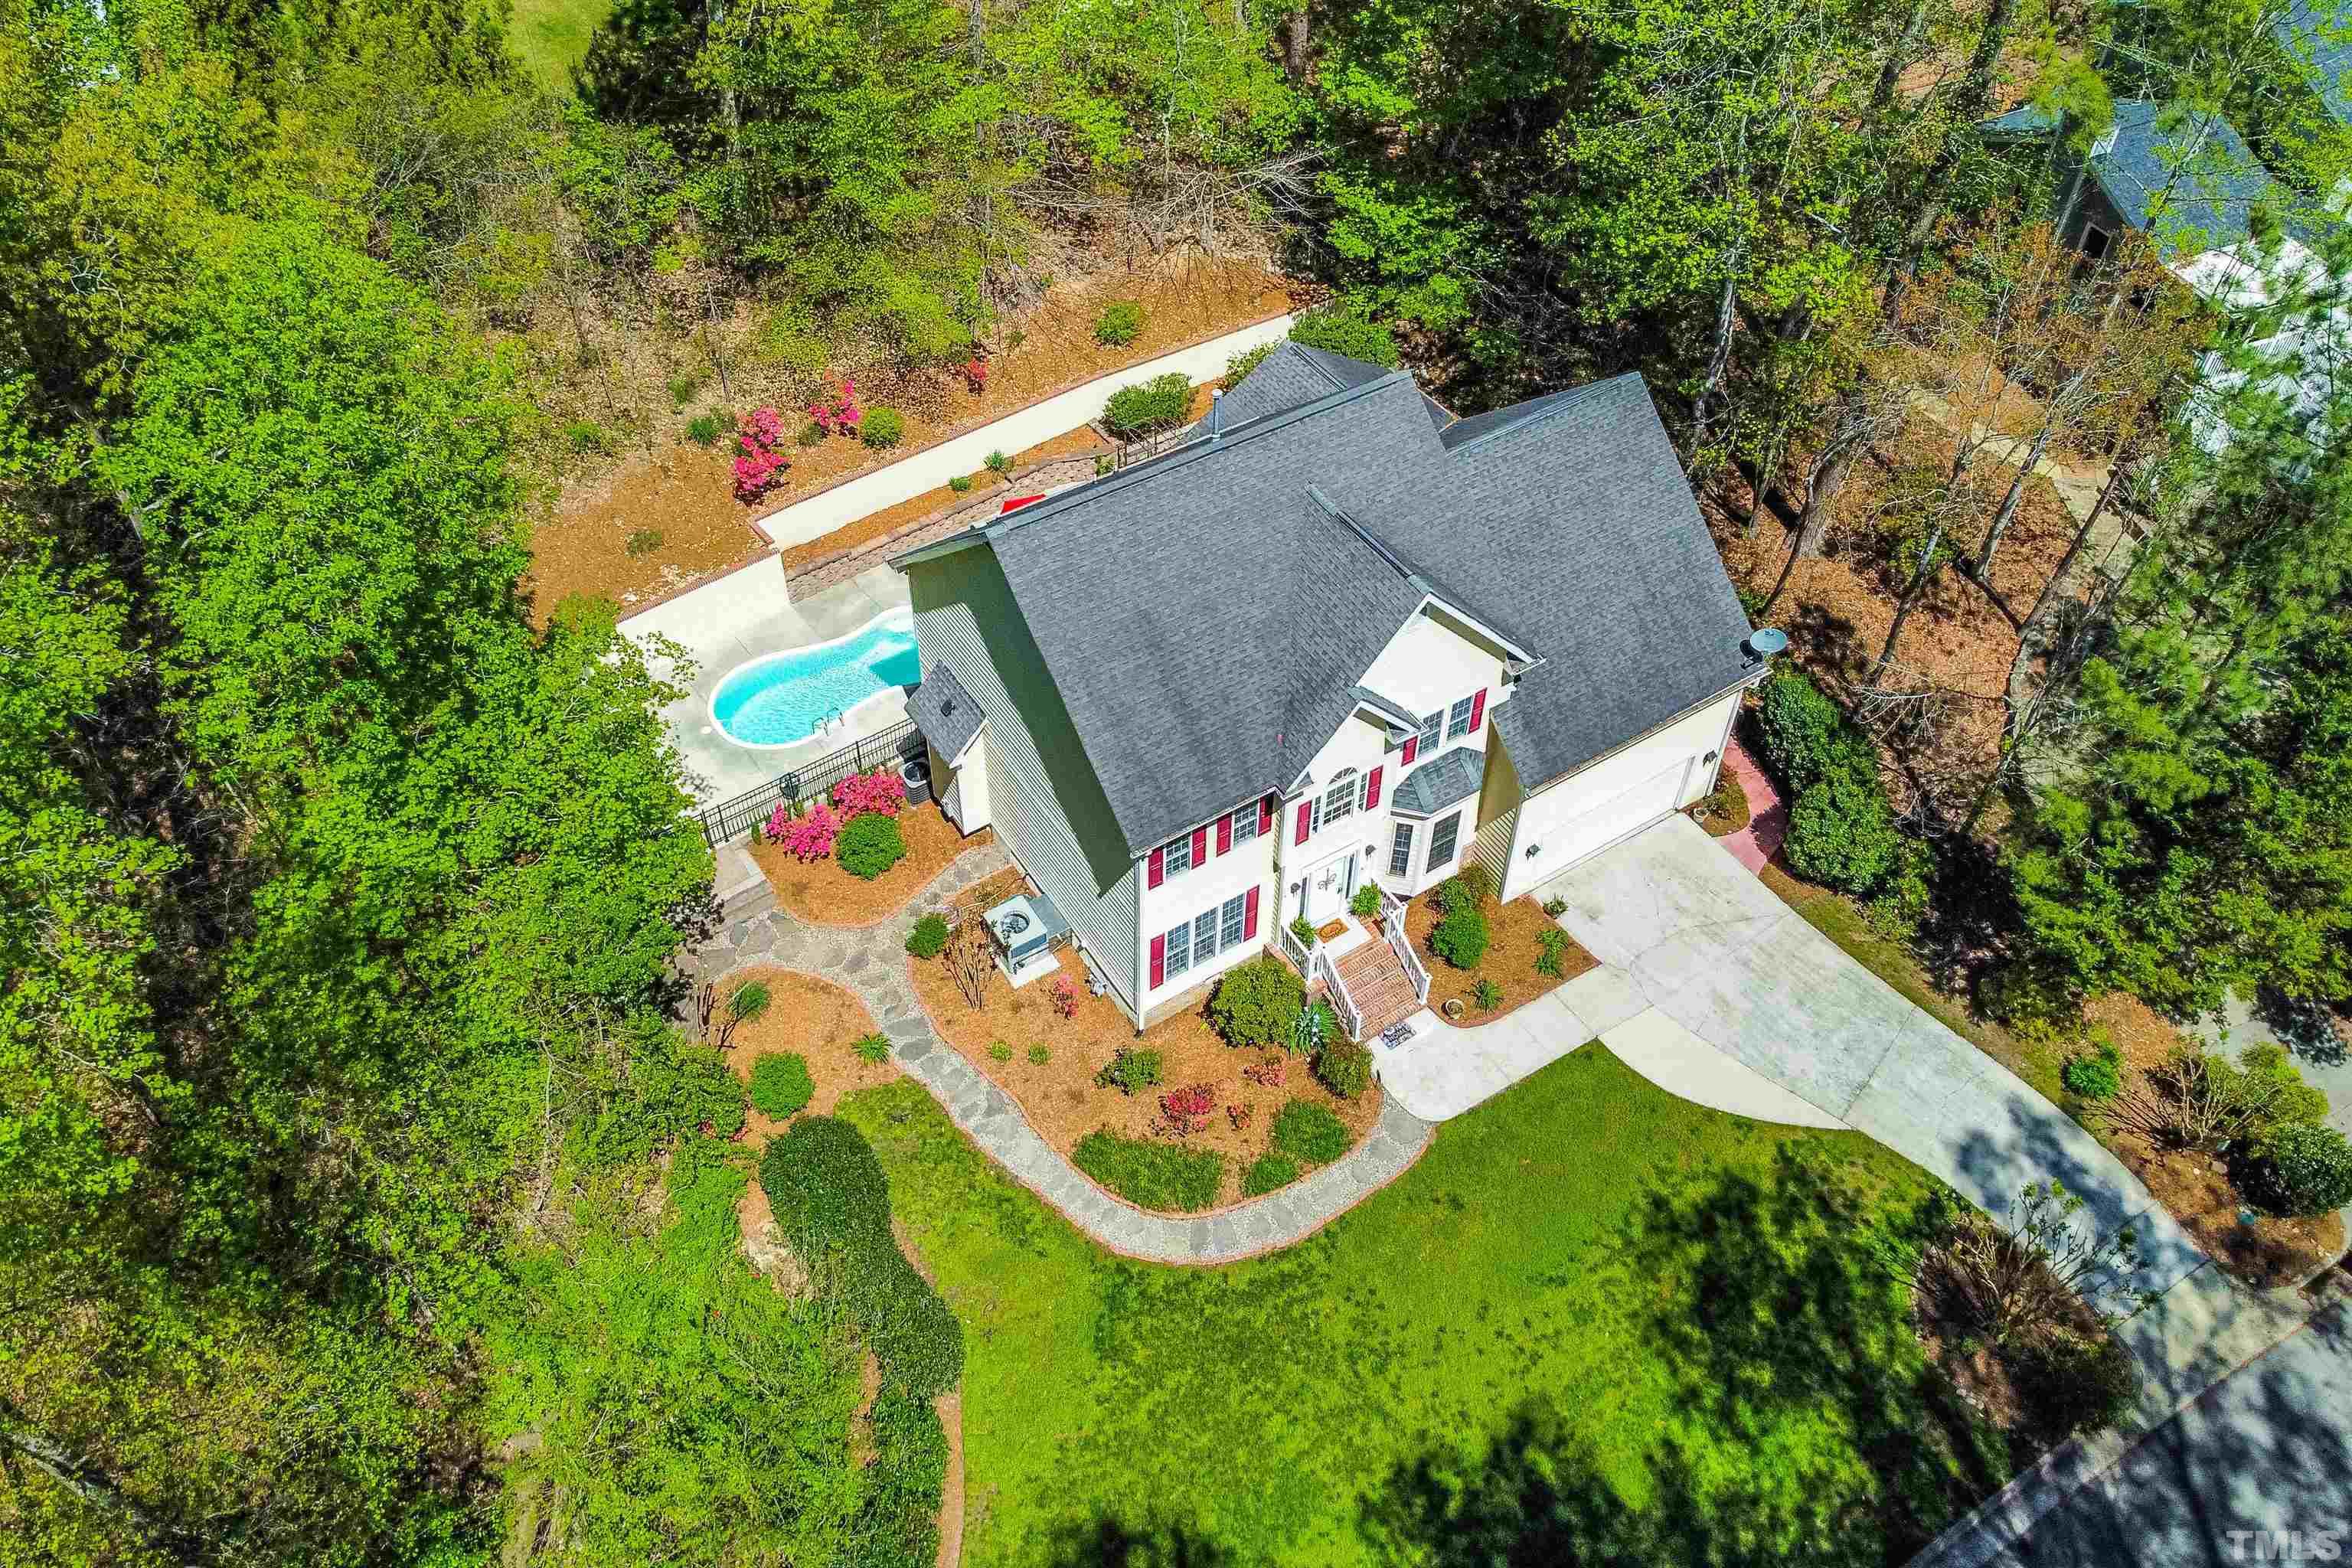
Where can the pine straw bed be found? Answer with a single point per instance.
(822, 893)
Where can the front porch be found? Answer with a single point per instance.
(1367, 969)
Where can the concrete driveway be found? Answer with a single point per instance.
(1716, 953)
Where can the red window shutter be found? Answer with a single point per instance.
(1249, 917)
(1158, 961)
(1224, 833)
(1201, 846)
(1412, 744)
(1304, 807)
(1158, 867)
(1266, 816)
(1372, 789)
(1477, 710)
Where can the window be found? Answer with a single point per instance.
(1204, 937)
(1458, 721)
(1180, 950)
(1432, 727)
(2097, 242)
(1441, 841)
(1235, 907)
(1401, 855)
(1178, 856)
(1246, 825)
(1340, 798)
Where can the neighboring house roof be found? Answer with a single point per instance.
(946, 713)
(2024, 121)
(2327, 43)
(1292, 374)
(2194, 184)
(1441, 781)
(1207, 616)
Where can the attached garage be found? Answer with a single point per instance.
(1585, 812)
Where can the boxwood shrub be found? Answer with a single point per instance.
(1159, 404)
(1461, 938)
(869, 845)
(1309, 1131)
(1344, 1068)
(1151, 1175)
(930, 936)
(833, 1203)
(882, 428)
(1257, 1004)
(2301, 1169)
(781, 1084)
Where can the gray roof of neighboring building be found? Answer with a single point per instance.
(1444, 779)
(2327, 43)
(945, 712)
(2023, 120)
(2200, 173)
(1206, 615)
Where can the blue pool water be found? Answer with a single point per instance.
(776, 701)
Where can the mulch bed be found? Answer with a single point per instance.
(822, 893)
(1517, 929)
(2198, 1191)
(1725, 812)
(1059, 1098)
(819, 1020)
(683, 493)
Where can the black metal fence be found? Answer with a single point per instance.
(1143, 448)
(731, 819)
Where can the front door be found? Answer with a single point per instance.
(1328, 887)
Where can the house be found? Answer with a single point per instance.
(1337, 637)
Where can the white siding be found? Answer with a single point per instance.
(1432, 661)
(1043, 799)
(1192, 892)
(1558, 821)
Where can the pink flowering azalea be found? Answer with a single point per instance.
(759, 461)
(809, 836)
(880, 791)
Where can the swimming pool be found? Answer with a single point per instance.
(778, 699)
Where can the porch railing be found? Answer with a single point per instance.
(1351, 1018)
(1300, 950)
(1392, 927)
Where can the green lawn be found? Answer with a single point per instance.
(551, 36)
(1592, 1317)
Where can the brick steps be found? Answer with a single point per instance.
(1379, 986)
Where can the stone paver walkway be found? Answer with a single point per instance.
(871, 962)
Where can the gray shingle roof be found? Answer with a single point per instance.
(1206, 618)
(2324, 40)
(1397, 714)
(945, 712)
(2193, 185)
(1444, 779)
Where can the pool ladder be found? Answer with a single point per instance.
(829, 718)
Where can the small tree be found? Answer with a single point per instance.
(2033, 1278)
(971, 958)
(2201, 1100)
(745, 1005)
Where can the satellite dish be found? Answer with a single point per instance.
(1766, 641)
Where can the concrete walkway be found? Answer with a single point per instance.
(1712, 948)
(871, 962)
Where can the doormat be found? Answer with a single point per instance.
(1333, 932)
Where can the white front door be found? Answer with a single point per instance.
(1328, 887)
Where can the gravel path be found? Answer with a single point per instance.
(872, 964)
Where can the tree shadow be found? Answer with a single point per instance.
(1111, 1543)
(2308, 1028)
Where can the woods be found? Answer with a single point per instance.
(366, 1195)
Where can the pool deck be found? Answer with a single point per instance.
(741, 616)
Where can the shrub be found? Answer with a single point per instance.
(2201, 1101)
(882, 428)
(1303, 929)
(781, 1084)
(908, 1476)
(1461, 938)
(2096, 1076)
(1186, 1110)
(1159, 404)
(1064, 995)
(1466, 888)
(1552, 955)
(760, 460)
(882, 790)
(1344, 1068)
(833, 1203)
(1367, 901)
(704, 429)
(1239, 366)
(2072, 1382)
(1268, 1174)
(1555, 907)
(1486, 994)
(682, 389)
(837, 416)
(1801, 729)
(1000, 1052)
(642, 541)
(1129, 1070)
(1121, 323)
(999, 464)
(1257, 1003)
(1039, 1056)
(1341, 328)
(870, 845)
(812, 433)
(1309, 1132)
(1152, 1175)
(873, 1049)
(674, 1088)
(960, 483)
(2301, 1169)
(930, 936)
(585, 436)
(1841, 832)
(1102, 467)
(808, 836)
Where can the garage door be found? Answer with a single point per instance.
(1620, 815)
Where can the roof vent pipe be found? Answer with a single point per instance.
(1216, 412)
